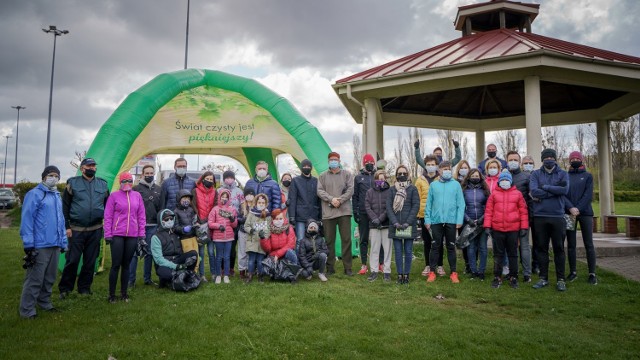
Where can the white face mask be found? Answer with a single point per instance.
(181, 172)
(514, 165)
(505, 184)
(168, 224)
(51, 181)
(527, 167)
(463, 172)
(493, 172)
(260, 207)
(262, 173)
(278, 222)
(249, 198)
(431, 169)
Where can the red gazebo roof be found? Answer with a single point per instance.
(486, 45)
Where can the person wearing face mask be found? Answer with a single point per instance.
(223, 218)
(166, 249)
(549, 185)
(376, 205)
(437, 152)
(444, 213)
(285, 181)
(361, 184)
(506, 219)
(124, 226)
(521, 182)
(236, 199)
(492, 154)
(578, 204)
(313, 252)
(492, 173)
(150, 193)
(335, 188)
(304, 203)
(262, 183)
(281, 242)
(83, 214)
(462, 170)
(176, 182)
(476, 192)
(257, 228)
(429, 174)
(44, 237)
(245, 209)
(204, 197)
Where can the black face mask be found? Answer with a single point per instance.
(306, 171)
(491, 154)
(368, 167)
(475, 181)
(439, 157)
(402, 178)
(576, 164)
(148, 179)
(89, 173)
(286, 183)
(312, 232)
(208, 184)
(549, 164)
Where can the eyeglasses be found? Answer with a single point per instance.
(527, 163)
(126, 181)
(167, 218)
(402, 173)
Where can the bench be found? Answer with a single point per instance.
(632, 225)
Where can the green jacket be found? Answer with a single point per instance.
(256, 223)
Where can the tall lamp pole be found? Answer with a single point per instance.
(15, 165)
(186, 43)
(52, 30)
(4, 171)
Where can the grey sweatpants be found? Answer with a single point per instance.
(243, 259)
(380, 237)
(38, 282)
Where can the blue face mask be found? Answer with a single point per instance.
(527, 167)
(446, 175)
(549, 164)
(513, 165)
(334, 164)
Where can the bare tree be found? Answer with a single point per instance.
(445, 139)
(220, 168)
(624, 138)
(508, 140)
(77, 158)
(357, 153)
(398, 153)
(553, 138)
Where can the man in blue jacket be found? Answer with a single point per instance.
(179, 181)
(262, 183)
(548, 186)
(43, 236)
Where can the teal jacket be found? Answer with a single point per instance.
(445, 203)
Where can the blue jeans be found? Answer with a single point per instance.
(223, 253)
(301, 228)
(149, 231)
(403, 261)
(478, 244)
(255, 259)
(291, 256)
(212, 258)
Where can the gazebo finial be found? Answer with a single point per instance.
(495, 14)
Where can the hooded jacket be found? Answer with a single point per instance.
(445, 203)
(165, 244)
(506, 211)
(124, 215)
(279, 244)
(236, 197)
(42, 224)
(216, 219)
(376, 204)
(252, 226)
(580, 191)
(185, 216)
(309, 248)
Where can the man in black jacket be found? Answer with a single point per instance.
(361, 183)
(304, 203)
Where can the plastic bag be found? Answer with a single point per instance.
(202, 234)
(468, 232)
(570, 221)
(185, 280)
(281, 269)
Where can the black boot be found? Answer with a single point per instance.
(406, 279)
(400, 280)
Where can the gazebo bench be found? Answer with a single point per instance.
(632, 225)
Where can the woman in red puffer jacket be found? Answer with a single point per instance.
(282, 242)
(506, 219)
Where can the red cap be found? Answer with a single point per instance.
(368, 159)
(575, 155)
(333, 154)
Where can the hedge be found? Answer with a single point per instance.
(21, 189)
(621, 195)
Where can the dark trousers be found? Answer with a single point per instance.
(320, 264)
(586, 228)
(150, 230)
(122, 249)
(344, 226)
(550, 228)
(443, 233)
(85, 244)
(255, 261)
(165, 274)
(363, 230)
(505, 242)
(426, 240)
(534, 257)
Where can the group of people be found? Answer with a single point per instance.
(298, 219)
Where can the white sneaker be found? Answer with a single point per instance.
(226, 280)
(441, 271)
(322, 277)
(218, 279)
(505, 270)
(426, 271)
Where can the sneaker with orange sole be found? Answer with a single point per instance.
(432, 277)
(363, 270)
(454, 278)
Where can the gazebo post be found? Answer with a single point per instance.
(533, 115)
(380, 139)
(370, 135)
(479, 146)
(604, 165)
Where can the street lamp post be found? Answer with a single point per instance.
(52, 30)
(4, 171)
(15, 165)
(186, 43)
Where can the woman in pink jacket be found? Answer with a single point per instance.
(124, 227)
(223, 218)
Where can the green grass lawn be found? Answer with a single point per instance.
(621, 208)
(346, 318)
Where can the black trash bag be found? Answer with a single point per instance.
(281, 270)
(468, 232)
(185, 280)
(202, 234)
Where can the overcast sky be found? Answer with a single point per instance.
(298, 48)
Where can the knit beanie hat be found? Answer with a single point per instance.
(50, 169)
(228, 174)
(125, 176)
(368, 159)
(576, 155)
(306, 162)
(548, 153)
(249, 191)
(505, 175)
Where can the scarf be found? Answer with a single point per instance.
(279, 229)
(401, 194)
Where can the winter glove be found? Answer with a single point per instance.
(470, 222)
(232, 218)
(404, 226)
(186, 229)
(261, 234)
(142, 247)
(28, 251)
(63, 250)
(108, 241)
(523, 232)
(416, 144)
(397, 226)
(375, 222)
(181, 267)
(456, 144)
(221, 228)
(292, 220)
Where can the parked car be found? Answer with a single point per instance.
(7, 199)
